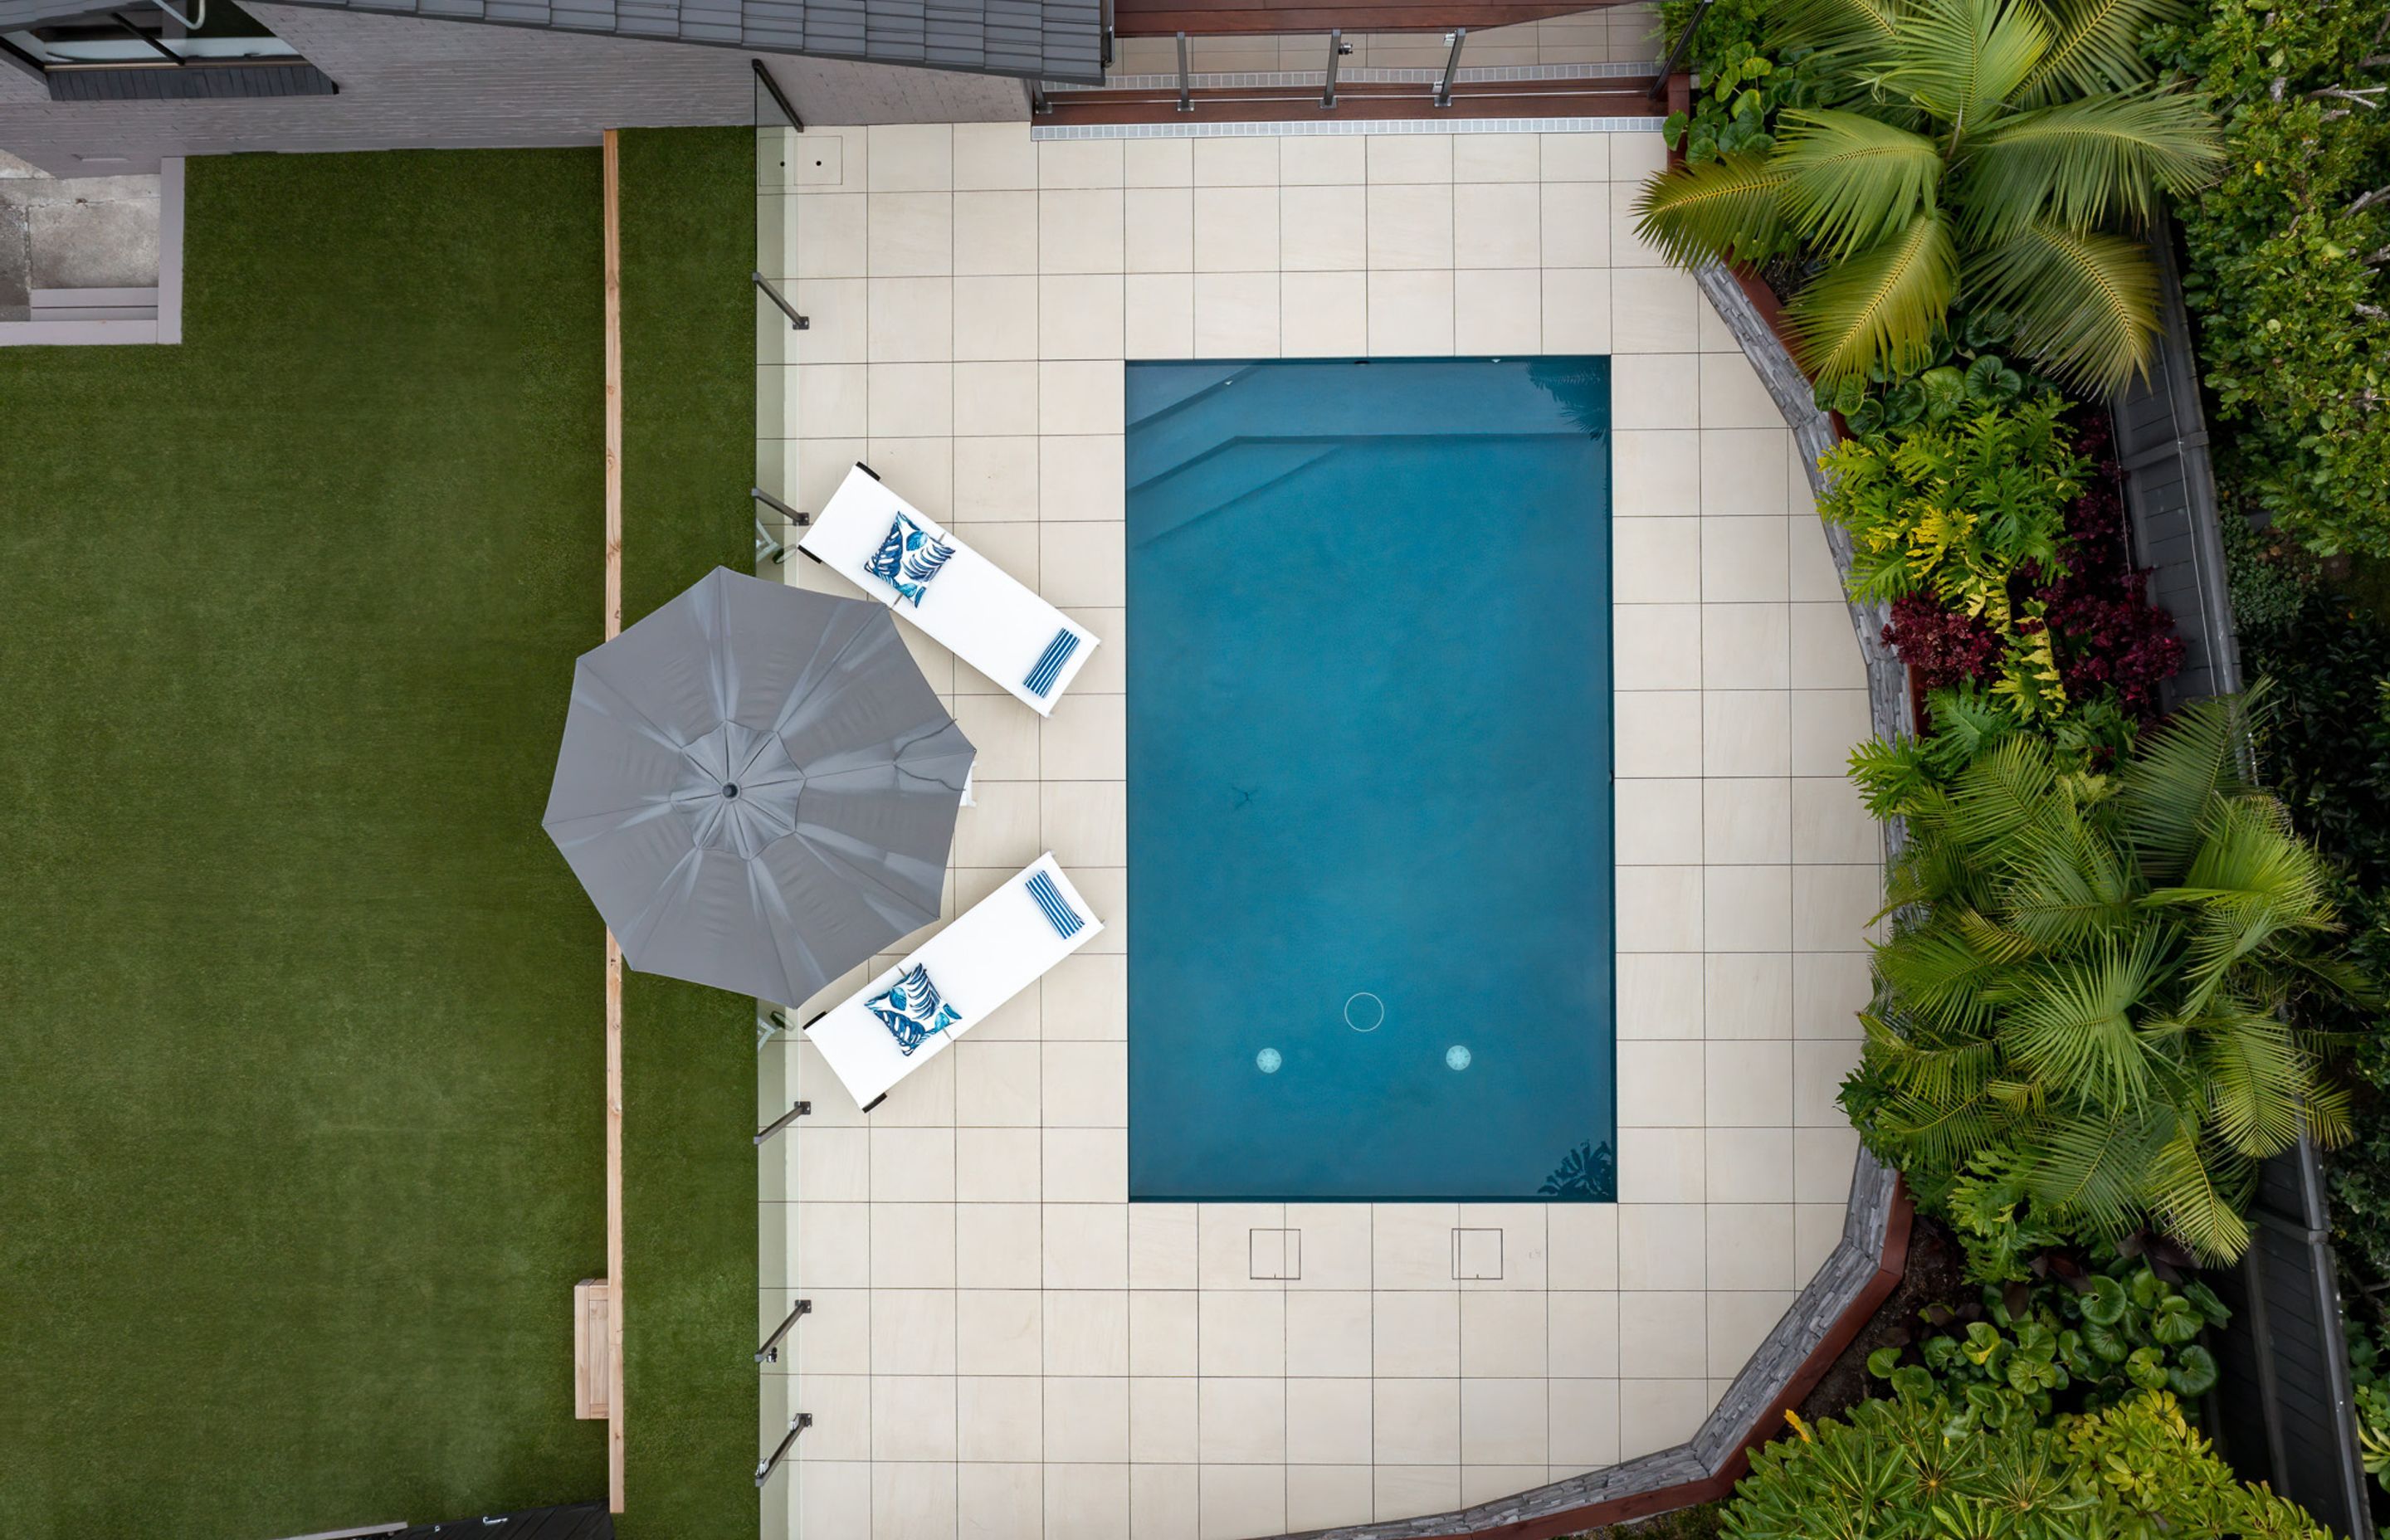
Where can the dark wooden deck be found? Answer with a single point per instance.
(1217, 18)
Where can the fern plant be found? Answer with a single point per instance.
(2011, 149)
(1954, 511)
(2088, 978)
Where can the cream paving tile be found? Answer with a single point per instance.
(912, 1331)
(1415, 1334)
(1655, 561)
(1502, 1335)
(1086, 1165)
(1328, 1333)
(1627, 247)
(912, 1165)
(1236, 162)
(999, 1501)
(1236, 315)
(1583, 1424)
(1659, 733)
(909, 235)
(1496, 157)
(1411, 313)
(1161, 316)
(1001, 1165)
(1749, 1083)
(1823, 654)
(1829, 990)
(1742, 474)
(909, 157)
(1731, 395)
(1325, 314)
(1659, 822)
(1162, 1249)
(1416, 1422)
(989, 1245)
(1747, 994)
(1082, 316)
(1086, 1084)
(1750, 1247)
(1574, 157)
(997, 1331)
(1082, 562)
(1584, 1247)
(988, 155)
(1747, 909)
(1407, 1492)
(1242, 1421)
(1402, 158)
(1504, 1422)
(1659, 995)
(994, 318)
(1751, 1166)
(1329, 1496)
(1410, 225)
(1653, 473)
(1574, 222)
(1823, 726)
(1320, 160)
(1663, 1333)
(1746, 733)
(1655, 310)
(1821, 1163)
(1087, 1418)
(1577, 310)
(1159, 163)
(1080, 163)
(1323, 228)
(1079, 481)
(1085, 1502)
(1411, 1245)
(1081, 230)
(1834, 906)
(1745, 560)
(910, 320)
(1658, 1414)
(1583, 1336)
(1079, 396)
(1087, 1332)
(833, 1498)
(831, 237)
(1657, 647)
(1161, 1419)
(1496, 312)
(1087, 993)
(1241, 1332)
(1161, 1500)
(1162, 1332)
(1747, 820)
(1161, 230)
(1086, 1245)
(1085, 822)
(1831, 824)
(1224, 1241)
(1659, 908)
(831, 1246)
(993, 400)
(1235, 228)
(1659, 1248)
(1235, 1500)
(1662, 1166)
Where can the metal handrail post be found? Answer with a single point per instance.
(1677, 55)
(1186, 89)
(765, 1467)
(796, 321)
(1337, 49)
(803, 1108)
(770, 1352)
(1451, 67)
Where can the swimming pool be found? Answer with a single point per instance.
(1369, 779)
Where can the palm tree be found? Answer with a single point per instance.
(2006, 148)
(2093, 979)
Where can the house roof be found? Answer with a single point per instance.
(1052, 39)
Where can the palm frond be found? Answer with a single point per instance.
(2074, 1027)
(2094, 46)
(2255, 1081)
(1880, 305)
(2088, 163)
(2086, 304)
(2089, 1170)
(1855, 181)
(2179, 774)
(2199, 1192)
(1960, 59)
(1832, 24)
(1708, 213)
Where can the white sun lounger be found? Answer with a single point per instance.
(990, 954)
(972, 607)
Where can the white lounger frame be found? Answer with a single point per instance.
(972, 607)
(1001, 946)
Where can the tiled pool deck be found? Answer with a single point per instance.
(1000, 1344)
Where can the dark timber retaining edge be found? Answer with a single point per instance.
(2282, 1411)
(1866, 1264)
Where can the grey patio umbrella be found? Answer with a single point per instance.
(757, 786)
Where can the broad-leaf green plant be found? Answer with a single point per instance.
(2015, 150)
(2089, 972)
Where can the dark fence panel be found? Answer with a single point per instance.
(2283, 1413)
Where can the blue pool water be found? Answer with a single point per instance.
(1369, 779)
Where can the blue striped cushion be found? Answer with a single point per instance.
(1049, 662)
(1064, 918)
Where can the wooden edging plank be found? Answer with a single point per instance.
(611, 157)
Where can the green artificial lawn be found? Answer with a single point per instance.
(301, 1059)
(688, 1054)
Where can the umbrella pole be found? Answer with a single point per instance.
(611, 157)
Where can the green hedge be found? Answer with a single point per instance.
(2286, 276)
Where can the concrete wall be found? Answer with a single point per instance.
(407, 83)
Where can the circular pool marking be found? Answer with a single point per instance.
(1268, 1060)
(1456, 1057)
(1372, 1016)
